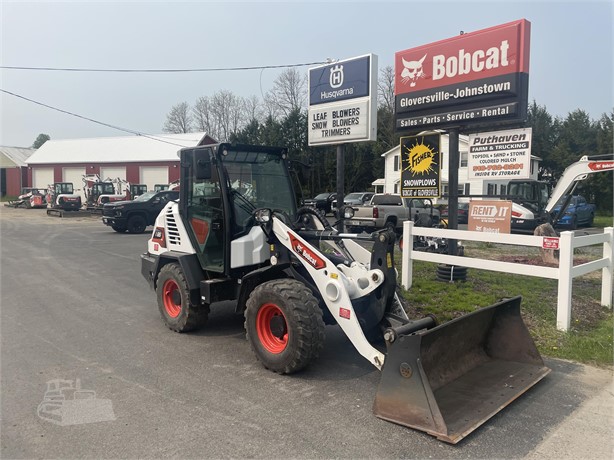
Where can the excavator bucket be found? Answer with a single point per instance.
(451, 379)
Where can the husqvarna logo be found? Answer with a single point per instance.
(306, 253)
(336, 76)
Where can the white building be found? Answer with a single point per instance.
(391, 183)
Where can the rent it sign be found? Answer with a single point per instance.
(490, 216)
(475, 78)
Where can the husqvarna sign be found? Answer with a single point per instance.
(343, 101)
(476, 78)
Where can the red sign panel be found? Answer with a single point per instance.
(345, 313)
(472, 79)
(482, 54)
(550, 243)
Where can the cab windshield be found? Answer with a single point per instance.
(260, 180)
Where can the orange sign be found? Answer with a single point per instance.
(490, 216)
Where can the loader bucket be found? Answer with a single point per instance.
(449, 380)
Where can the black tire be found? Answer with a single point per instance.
(591, 220)
(174, 301)
(119, 228)
(391, 226)
(136, 224)
(574, 223)
(284, 325)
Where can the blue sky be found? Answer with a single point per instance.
(571, 53)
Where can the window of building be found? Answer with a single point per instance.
(492, 189)
(463, 159)
(396, 163)
(467, 189)
(396, 187)
(503, 190)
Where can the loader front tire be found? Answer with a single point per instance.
(174, 301)
(284, 325)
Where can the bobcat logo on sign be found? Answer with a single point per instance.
(336, 76)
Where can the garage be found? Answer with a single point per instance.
(75, 176)
(42, 177)
(134, 159)
(152, 175)
(113, 172)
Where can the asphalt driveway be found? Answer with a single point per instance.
(75, 309)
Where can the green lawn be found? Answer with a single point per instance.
(589, 339)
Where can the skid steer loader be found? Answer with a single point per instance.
(236, 234)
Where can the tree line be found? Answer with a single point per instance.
(280, 118)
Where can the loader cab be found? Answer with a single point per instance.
(99, 189)
(63, 188)
(138, 190)
(221, 187)
(531, 194)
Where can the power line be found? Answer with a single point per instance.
(119, 128)
(215, 69)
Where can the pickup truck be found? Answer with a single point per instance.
(390, 211)
(578, 212)
(136, 215)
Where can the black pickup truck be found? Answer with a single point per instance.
(136, 215)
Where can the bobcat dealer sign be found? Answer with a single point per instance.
(342, 101)
(478, 78)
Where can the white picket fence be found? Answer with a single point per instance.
(564, 273)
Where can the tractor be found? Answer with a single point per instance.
(237, 234)
(61, 197)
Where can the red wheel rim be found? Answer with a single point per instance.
(273, 341)
(171, 298)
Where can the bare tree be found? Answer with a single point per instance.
(385, 86)
(179, 120)
(226, 109)
(203, 116)
(253, 109)
(289, 93)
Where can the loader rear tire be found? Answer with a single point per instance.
(174, 301)
(284, 325)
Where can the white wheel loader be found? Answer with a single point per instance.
(236, 234)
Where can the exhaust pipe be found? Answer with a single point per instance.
(449, 380)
